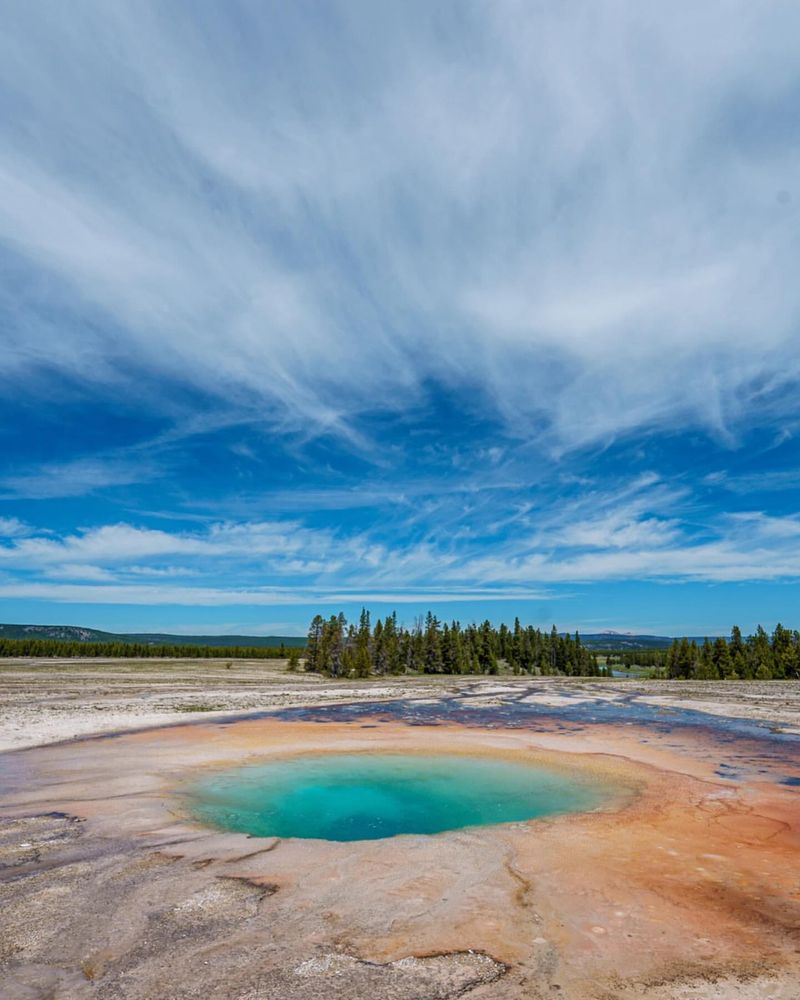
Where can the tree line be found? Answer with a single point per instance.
(758, 657)
(69, 648)
(654, 659)
(341, 649)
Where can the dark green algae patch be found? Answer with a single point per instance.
(370, 796)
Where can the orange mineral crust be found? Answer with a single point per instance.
(680, 881)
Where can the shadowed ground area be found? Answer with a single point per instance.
(684, 883)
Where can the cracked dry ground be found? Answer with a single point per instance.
(686, 885)
(150, 924)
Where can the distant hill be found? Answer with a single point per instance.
(626, 640)
(77, 633)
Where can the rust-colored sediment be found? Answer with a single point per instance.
(683, 874)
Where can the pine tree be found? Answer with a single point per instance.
(314, 645)
(391, 645)
(722, 659)
(362, 664)
(432, 646)
(707, 669)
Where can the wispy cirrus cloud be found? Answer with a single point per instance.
(562, 209)
(446, 299)
(118, 543)
(75, 478)
(210, 597)
(644, 530)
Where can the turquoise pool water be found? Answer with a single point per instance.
(367, 797)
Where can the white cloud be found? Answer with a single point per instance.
(214, 597)
(568, 208)
(75, 478)
(12, 527)
(578, 219)
(755, 527)
(117, 543)
(79, 571)
(617, 531)
(159, 571)
(644, 530)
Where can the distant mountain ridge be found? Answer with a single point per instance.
(77, 633)
(625, 640)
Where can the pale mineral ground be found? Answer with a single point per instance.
(687, 884)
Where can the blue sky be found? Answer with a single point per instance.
(485, 307)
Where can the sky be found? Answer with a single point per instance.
(488, 308)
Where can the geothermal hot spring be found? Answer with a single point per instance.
(370, 796)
